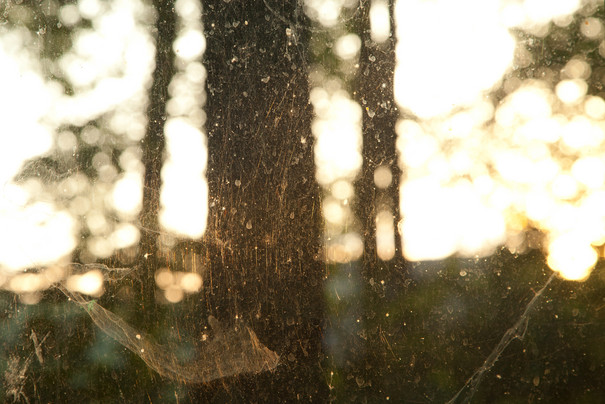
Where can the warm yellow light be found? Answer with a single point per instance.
(164, 278)
(344, 248)
(564, 186)
(35, 235)
(576, 69)
(542, 11)
(581, 133)
(333, 211)
(190, 44)
(595, 107)
(342, 189)
(337, 128)
(385, 235)
(124, 235)
(174, 294)
(184, 197)
(439, 221)
(590, 171)
(90, 283)
(27, 283)
(190, 282)
(571, 256)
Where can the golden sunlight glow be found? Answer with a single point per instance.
(108, 70)
(33, 233)
(571, 256)
(190, 44)
(127, 195)
(344, 248)
(595, 107)
(27, 283)
(184, 197)
(175, 284)
(118, 42)
(478, 174)
(184, 194)
(338, 132)
(385, 235)
(592, 28)
(337, 129)
(571, 91)
(543, 11)
(440, 221)
(90, 283)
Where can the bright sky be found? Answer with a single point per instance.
(184, 195)
(477, 175)
(109, 67)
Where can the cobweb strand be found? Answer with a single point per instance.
(516, 331)
(231, 352)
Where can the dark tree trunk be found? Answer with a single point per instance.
(153, 143)
(265, 217)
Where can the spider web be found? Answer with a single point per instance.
(231, 352)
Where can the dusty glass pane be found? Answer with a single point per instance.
(268, 201)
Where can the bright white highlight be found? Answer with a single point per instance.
(327, 12)
(36, 234)
(118, 42)
(190, 45)
(127, 195)
(90, 283)
(338, 132)
(571, 91)
(337, 129)
(431, 32)
(33, 233)
(380, 22)
(477, 175)
(347, 46)
(572, 256)
(441, 221)
(109, 69)
(184, 195)
(184, 191)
